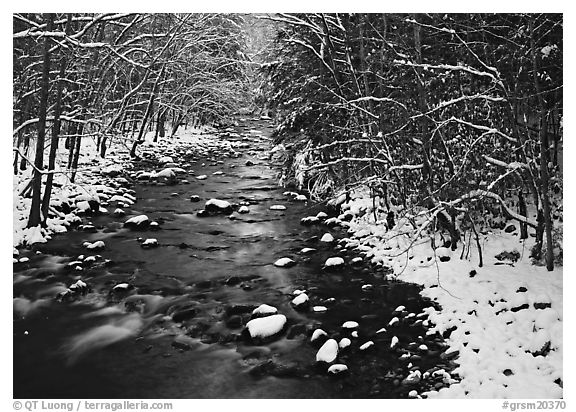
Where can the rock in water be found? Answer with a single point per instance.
(149, 243)
(266, 327)
(264, 310)
(337, 368)
(284, 262)
(344, 343)
(328, 352)
(350, 324)
(218, 206)
(318, 333)
(300, 301)
(327, 238)
(333, 262)
(140, 222)
(243, 209)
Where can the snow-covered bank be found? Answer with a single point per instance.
(102, 182)
(505, 317)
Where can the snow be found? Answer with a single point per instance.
(300, 299)
(150, 242)
(328, 352)
(327, 238)
(393, 321)
(284, 262)
(137, 220)
(266, 327)
(166, 173)
(243, 209)
(298, 292)
(277, 207)
(350, 324)
(121, 286)
(318, 333)
(497, 328)
(321, 215)
(344, 343)
(307, 250)
(319, 309)
(334, 261)
(301, 198)
(381, 330)
(366, 345)
(337, 368)
(96, 245)
(202, 177)
(220, 204)
(264, 309)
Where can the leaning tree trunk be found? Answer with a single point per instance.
(35, 218)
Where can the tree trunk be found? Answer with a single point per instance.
(544, 147)
(422, 106)
(55, 132)
(77, 146)
(522, 210)
(35, 218)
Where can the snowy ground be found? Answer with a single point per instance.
(507, 317)
(92, 182)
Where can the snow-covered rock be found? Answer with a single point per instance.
(394, 342)
(328, 352)
(266, 327)
(121, 287)
(301, 198)
(149, 243)
(284, 262)
(317, 334)
(218, 206)
(243, 209)
(321, 215)
(334, 262)
(327, 238)
(350, 324)
(264, 309)
(300, 300)
(277, 207)
(309, 220)
(308, 250)
(94, 246)
(393, 321)
(344, 343)
(319, 309)
(443, 254)
(366, 345)
(166, 174)
(337, 368)
(138, 222)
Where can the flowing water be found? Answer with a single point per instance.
(209, 271)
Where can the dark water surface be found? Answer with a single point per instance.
(189, 270)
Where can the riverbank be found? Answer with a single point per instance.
(504, 319)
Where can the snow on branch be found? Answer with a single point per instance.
(480, 194)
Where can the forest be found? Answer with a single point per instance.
(428, 147)
(452, 113)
